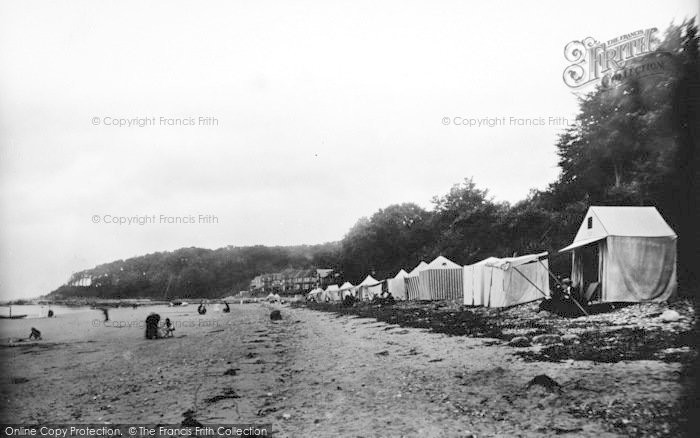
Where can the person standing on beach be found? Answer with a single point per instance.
(152, 321)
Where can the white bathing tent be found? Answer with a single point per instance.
(412, 282)
(347, 289)
(369, 288)
(624, 254)
(331, 293)
(441, 279)
(396, 285)
(315, 295)
(504, 282)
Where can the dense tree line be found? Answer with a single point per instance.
(190, 272)
(635, 142)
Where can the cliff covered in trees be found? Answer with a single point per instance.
(635, 143)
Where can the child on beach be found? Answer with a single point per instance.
(169, 329)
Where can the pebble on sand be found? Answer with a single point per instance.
(670, 316)
(546, 339)
(519, 341)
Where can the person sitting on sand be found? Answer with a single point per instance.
(570, 291)
(169, 329)
(227, 309)
(201, 309)
(562, 301)
(35, 334)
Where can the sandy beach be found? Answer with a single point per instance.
(311, 373)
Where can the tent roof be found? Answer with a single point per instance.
(507, 262)
(421, 267)
(441, 262)
(401, 274)
(601, 222)
(368, 281)
(486, 261)
(347, 285)
(332, 287)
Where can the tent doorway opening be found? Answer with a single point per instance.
(590, 264)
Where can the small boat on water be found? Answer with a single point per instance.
(11, 316)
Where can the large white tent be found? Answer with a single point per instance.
(396, 285)
(347, 289)
(624, 254)
(369, 288)
(441, 279)
(412, 282)
(332, 293)
(495, 282)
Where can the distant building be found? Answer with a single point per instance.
(325, 277)
(256, 283)
(292, 280)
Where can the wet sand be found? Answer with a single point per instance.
(310, 373)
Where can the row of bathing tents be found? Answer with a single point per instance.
(333, 292)
(492, 282)
(619, 254)
(366, 290)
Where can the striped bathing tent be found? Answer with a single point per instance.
(412, 281)
(506, 282)
(442, 279)
(397, 286)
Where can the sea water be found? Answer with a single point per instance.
(79, 324)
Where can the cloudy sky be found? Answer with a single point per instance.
(324, 112)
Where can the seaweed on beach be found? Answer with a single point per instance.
(612, 333)
(619, 345)
(455, 322)
(228, 394)
(652, 418)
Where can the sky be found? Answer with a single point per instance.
(269, 122)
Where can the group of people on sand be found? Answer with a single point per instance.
(155, 331)
(202, 309)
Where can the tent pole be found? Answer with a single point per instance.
(557, 280)
(528, 280)
(550, 272)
